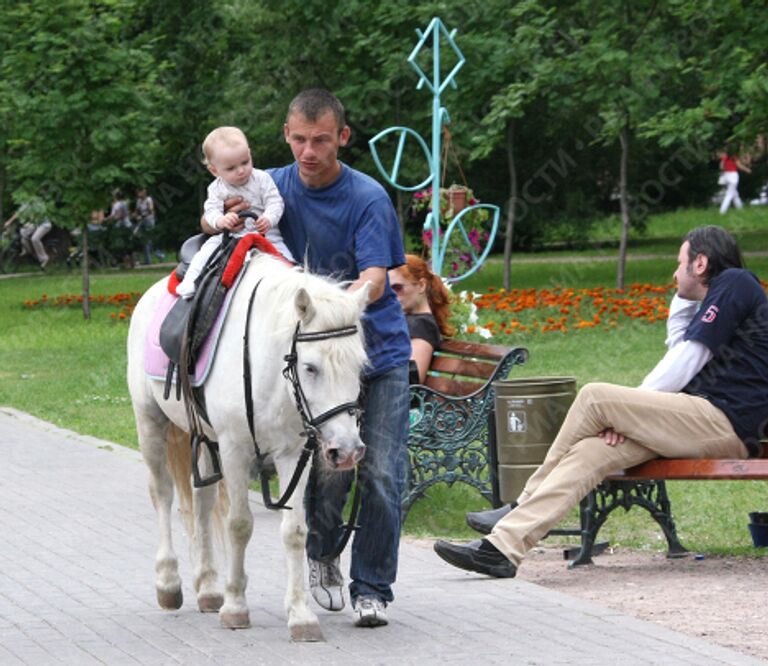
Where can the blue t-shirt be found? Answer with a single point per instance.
(733, 324)
(341, 230)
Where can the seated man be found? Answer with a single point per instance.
(707, 398)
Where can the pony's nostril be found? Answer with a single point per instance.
(333, 456)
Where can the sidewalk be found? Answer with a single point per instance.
(77, 586)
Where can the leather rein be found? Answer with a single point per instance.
(311, 424)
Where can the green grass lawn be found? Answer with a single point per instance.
(71, 372)
(62, 368)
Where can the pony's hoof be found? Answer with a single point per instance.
(307, 633)
(239, 620)
(210, 603)
(170, 600)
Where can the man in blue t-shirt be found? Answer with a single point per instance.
(341, 222)
(707, 398)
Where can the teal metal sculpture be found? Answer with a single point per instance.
(436, 33)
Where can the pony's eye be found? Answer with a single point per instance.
(310, 369)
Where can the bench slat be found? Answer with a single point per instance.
(452, 387)
(693, 469)
(473, 349)
(454, 365)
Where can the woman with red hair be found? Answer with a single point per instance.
(426, 302)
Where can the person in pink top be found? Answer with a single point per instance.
(730, 165)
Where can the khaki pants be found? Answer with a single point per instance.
(655, 424)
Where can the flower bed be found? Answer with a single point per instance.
(122, 302)
(498, 312)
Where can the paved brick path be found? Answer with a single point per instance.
(77, 542)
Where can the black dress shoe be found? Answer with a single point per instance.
(480, 556)
(484, 521)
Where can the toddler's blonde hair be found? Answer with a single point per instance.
(230, 136)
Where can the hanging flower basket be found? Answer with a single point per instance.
(453, 200)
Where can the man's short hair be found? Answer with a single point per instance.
(316, 102)
(717, 245)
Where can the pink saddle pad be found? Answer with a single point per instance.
(156, 360)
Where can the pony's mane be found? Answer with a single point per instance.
(334, 306)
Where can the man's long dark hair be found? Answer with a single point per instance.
(717, 245)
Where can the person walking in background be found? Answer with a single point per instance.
(730, 165)
(33, 217)
(145, 221)
(426, 303)
(119, 214)
(122, 230)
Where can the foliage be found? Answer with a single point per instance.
(83, 92)
(195, 46)
(121, 92)
(724, 76)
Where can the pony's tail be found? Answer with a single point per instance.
(179, 450)
(179, 447)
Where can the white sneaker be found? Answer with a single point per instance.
(326, 584)
(371, 611)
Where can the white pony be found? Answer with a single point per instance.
(328, 369)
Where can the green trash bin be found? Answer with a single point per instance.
(529, 413)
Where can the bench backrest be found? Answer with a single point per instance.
(460, 368)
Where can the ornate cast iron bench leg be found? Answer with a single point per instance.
(652, 496)
(591, 519)
(609, 495)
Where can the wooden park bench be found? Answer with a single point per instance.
(452, 435)
(644, 486)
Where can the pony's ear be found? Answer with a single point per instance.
(304, 306)
(361, 296)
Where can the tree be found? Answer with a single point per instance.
(724, 77)
(196, 46)
(621, 59)
(85, 100)
(516, 71)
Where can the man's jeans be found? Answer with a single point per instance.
(381, 477)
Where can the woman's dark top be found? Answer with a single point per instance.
(424, 327)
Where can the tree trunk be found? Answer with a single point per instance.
(624, 200)
(512, 204)
(85, 263)
(2, 194)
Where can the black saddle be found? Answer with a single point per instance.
(188, 323)
(189, 249)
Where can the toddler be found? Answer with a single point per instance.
(228, 157)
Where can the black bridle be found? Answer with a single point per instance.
(310, 423)
(291, 373)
